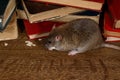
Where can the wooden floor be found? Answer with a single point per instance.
(21, 62)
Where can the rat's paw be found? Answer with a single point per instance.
(51, 48)
(73, 52)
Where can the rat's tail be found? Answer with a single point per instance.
(110, 46)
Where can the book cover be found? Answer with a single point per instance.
(7, 8)
(81, 14)
(40, 11)
(113, 7)
(109, 30)
(40, 29)
(20, 11)
(11, 31)
(87, 4)
(21, 14)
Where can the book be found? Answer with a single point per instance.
(11, 31)
(112, 39)
(7, 8)
(40, 11)
(39, 29)
(109, 30)
(113, 8)
(81, 14)
(86, 4)
(20, 11)
(21, 14)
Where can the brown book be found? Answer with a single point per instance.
(21, 15)
(7, 8)
(37, 11)
(11, 31)
(87, 4)
(82, 14)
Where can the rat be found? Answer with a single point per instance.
(77, 36)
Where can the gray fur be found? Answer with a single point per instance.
(78, 36)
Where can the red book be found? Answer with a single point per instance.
(86, 4)
(40, 29)
(109, 30)
(114, 9)
(11, 31)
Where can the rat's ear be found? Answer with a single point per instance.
(58, 38)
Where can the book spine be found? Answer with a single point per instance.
(109, 30)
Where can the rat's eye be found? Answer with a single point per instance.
(49, 42)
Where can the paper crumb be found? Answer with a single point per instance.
(0, 20)
(5, 44)
(29, 43)
(33, 45)
(39, 39)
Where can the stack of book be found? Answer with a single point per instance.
(39, 16)
(112, 21)
(8, 24)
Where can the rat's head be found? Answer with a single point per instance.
(53, 41)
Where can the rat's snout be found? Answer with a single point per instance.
(49, 47)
